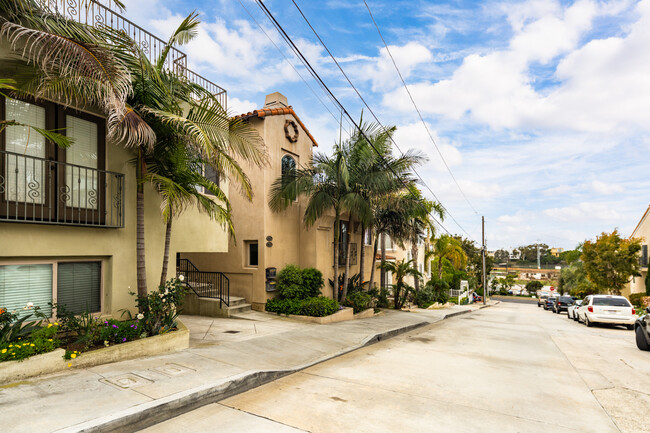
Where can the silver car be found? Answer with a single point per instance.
(572, 311)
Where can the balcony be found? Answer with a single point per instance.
(44, 191)
(95, 14)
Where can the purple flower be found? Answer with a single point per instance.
(105, 323)
(114, 326)
(123, 340)
(136, 327)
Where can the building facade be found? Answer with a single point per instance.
(642, 231)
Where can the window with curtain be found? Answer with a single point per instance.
(83, 153)
(79, 286)
(25, 177)
(288, 172)
(21, 284)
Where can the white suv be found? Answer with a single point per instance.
(607, 309)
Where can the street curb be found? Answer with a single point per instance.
(154, 412)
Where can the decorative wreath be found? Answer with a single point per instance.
(287, 124)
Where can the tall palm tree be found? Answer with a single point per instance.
(448, 247)
(180, 113)
(177, 174)
(400, 270)
(325, 183)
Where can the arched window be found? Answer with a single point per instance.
(288, 172)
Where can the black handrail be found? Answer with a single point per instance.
(214, 285)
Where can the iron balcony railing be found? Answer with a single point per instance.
(39, 190)
(353, 253)
(215, 285)
(96, 14)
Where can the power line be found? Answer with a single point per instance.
(317, 77)
(416, 107)
(377, 119)
(289, 62)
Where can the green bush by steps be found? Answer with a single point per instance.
(318, 306)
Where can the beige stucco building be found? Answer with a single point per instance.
(642, 231)
(68, 218)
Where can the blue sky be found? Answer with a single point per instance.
(540, 108)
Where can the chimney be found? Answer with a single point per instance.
(276, 100)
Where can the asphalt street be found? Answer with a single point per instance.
(508, 368)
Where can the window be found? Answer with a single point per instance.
(77, 286)
(644, 255)
(20, 284)
(210, 174)
(47, 182)
(367, 237)
(289, 174)
(252, 253)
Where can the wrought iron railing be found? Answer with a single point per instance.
(39, 190)
(215, 285)
(94, 14)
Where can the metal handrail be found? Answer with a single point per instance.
(95, 14)
(45, 191)
(204, 284)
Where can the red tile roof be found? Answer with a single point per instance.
(263, 112)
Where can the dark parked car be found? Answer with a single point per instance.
(562, 303)
(642, 331)
(549, 303)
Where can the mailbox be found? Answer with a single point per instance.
(271, 273)
(270, 286)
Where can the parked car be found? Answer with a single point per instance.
(642, 330)
(562, 303)
(542, 300)
(549, 303)
(571, 312)
(607, 309)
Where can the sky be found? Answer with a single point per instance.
(541, 109)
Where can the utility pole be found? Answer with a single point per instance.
(538, 264)
(485, 288)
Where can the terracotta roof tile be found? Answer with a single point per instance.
(264, 112)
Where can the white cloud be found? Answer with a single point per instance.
(240, 106)
(606, 188)
(381, 71)
(414, 136)
(584, 212)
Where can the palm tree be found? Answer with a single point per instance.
(325, 183)
(448, 247)
(180, 113)
(177, 175)
(400, 270)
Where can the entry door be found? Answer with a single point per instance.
(26, 177)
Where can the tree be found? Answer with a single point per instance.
(178, 112)
(400, 270)
(573, 280)
(448, 247)
(528, 253)
(177, 173)
(501, 255)
(533, 286)
(571, 256)
(610, 261)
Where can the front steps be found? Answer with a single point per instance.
(193, 305)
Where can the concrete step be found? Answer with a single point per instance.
(238, 309)
(235, 300)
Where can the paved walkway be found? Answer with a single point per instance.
(226, 357)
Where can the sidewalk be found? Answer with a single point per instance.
(226, 357)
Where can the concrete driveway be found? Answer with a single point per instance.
(508, 368)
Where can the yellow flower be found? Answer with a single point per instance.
(4, 350)
(69, 364)
(49, 339)
(73, 356)
(32, 344)
(56, 323)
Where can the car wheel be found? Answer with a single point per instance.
(641, 342)
(588, 322)
(576, 317)
(538, 305)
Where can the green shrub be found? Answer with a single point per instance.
(636, 299)
(13, 328)
(159, 309)
(115, 332)
(359, 301)
(290, 283)
(312, 281)
(464, 300)
(318, 306)
(379, 297)
(40, 341)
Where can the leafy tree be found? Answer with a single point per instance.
(528, 253)
(610, 261)
(501, 255)
(533, 286)
(401, 269)
(448, 247)
(571, 256)
(573, 280)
